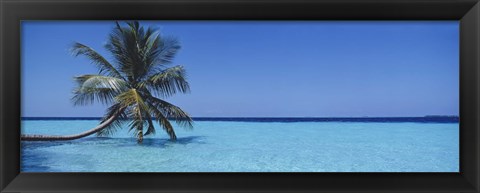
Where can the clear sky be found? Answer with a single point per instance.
(267, 68)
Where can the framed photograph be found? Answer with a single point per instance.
(239, 96)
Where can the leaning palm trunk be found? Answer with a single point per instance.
(133, 84)
(96, 129)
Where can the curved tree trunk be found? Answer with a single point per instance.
(69, 137)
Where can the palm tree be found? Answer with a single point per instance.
(134, 85)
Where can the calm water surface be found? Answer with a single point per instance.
(251, 146)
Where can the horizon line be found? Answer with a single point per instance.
(425, 116)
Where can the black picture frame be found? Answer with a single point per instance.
(14, 11)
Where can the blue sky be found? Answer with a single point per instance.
(267, 68)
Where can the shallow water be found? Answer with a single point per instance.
(237, 146)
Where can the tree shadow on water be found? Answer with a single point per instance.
(147, 142)
(34, 157)
(155, 142)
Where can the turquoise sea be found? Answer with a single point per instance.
(251, 145)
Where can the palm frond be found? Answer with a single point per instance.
(138, 110)
(99, 81)
(91, 88)
(140, 67)
(123, 45)
(163, 49)
(169, 81)
(103, 65)
(92, 95)
(131, 98)
(119, 122)
(151, 127)
(171, 111)
(163, 121)
(138, 50)
(136, 127)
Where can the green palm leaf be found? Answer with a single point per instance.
(168, 82)
(171, 111)
(102, 64)
(141, 72)
(164, 50)
(116, 124)
(151, 127)
(163, 121)
(91, 88)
